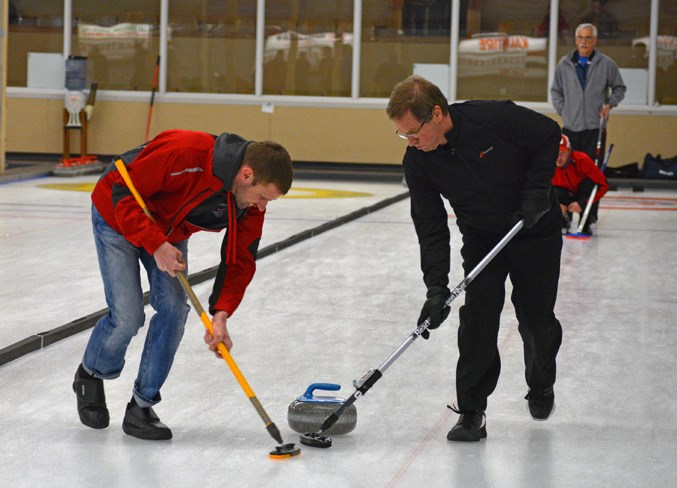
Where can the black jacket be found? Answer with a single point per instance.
(495, 153)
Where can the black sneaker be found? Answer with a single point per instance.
(586, 229)
(91, 399)
(541, 403)
(143, 423)
(471, 426)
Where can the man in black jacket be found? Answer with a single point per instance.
(493, 161)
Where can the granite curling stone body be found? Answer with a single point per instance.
(308, 412)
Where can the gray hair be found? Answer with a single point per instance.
(587, 26)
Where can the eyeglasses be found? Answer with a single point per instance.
(412, 134)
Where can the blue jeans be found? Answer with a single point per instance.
(105, 353)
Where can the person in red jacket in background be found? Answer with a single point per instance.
(575, 177)
(190, 181)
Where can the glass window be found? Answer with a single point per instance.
(502, 51)
(666, 64)
(308, 47)
(35, 26)
(120, 41)
(212, 46)
(402, 37)
(623, 33)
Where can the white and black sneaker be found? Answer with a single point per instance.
(471, 426)
(541, 403)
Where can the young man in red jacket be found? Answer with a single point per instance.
(190, 181)
(575, 177)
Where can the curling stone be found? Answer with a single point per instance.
(308, 412)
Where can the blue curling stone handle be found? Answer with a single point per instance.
(309, 397)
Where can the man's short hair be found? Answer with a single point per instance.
(417, 95)
(271, 163)
(586, 26)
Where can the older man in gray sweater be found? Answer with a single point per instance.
(586, 87)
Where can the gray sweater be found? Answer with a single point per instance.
(579, 108)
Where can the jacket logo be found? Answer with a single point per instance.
(483, 153)
(187, 170)
(219, 210)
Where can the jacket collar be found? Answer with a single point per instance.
(452, 135)
(575, 56)
(228, 157)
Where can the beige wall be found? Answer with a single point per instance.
(347, 135)
(3, 79)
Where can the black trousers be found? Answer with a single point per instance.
(533, 265)
(586, 141)
(581, 195)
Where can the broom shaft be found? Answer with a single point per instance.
(152, 95)
(591, 198)
(454, 293)
(368, 380)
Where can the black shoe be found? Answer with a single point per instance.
(541, 403)
(471, 426)
(586, 229)
(566, 225)
(91, 400)
(142, 422)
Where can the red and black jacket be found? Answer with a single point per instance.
(185, 178)
(578, 168)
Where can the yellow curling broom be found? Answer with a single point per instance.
(283, 450)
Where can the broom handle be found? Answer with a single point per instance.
(152, 95)
(598, 148)
(591, 198)
(454, 294)
(368, 380)
(223, 350)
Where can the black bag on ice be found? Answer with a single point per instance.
(627, 171)
(659, 168)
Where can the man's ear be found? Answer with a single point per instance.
(247, 173)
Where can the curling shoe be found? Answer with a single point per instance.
(541, 403)
(91, 400)
(471, 426)
(143, 423)
(566, 223)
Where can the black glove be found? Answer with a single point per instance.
(535, 204)
(434, 308)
